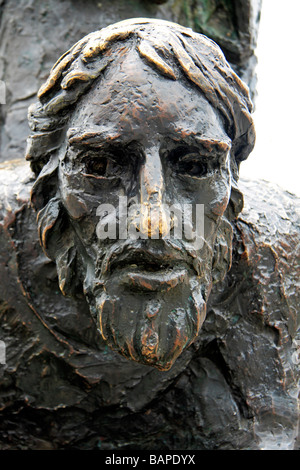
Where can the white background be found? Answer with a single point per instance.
(276, 156)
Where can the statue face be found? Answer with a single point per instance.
(153, 142)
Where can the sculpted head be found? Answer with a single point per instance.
(137, 126)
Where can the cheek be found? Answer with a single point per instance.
(81, 196)
(82, 199)
(75, 205)
(220, 188)
(72, 200)
(222, 195)
(81, 213)
(216, 204)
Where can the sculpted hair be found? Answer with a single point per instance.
(173, 51)
(159, 43)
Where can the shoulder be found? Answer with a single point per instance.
(16, 180)
(256, 312)
(270, 227)
(274, 212)
(15, 183)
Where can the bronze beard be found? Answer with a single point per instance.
(155, 327)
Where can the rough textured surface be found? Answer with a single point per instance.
(34, 34)
(116, 119)
(237, 388)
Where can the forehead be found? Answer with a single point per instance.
(132, 100)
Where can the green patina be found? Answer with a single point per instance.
(215, 18)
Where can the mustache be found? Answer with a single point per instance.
(163, 253)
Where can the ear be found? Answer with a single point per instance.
(222, 251)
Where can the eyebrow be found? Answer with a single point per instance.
(209, 144)
(92, 137)
(105, 138)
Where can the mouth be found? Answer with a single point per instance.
(161, 281)
(143, 260)
(145, 270)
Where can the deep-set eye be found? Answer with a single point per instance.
(96, 166)
(101, 166)
(192, 167)
(189, 162)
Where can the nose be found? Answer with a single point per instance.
(153, 220)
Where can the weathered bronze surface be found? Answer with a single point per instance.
(151, 343)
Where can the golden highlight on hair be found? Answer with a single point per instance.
(171, 50)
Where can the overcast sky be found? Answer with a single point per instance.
(276, 156)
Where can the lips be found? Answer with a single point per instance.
(149, 268)
(145, 254)
(142, 259)
(144, 271)
(161, 281)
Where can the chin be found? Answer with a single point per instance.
(148, 322)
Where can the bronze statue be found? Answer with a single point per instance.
(108, 317)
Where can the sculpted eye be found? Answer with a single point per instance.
(192, 167)
(96, 166)
(101, 167)
(189, 162)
